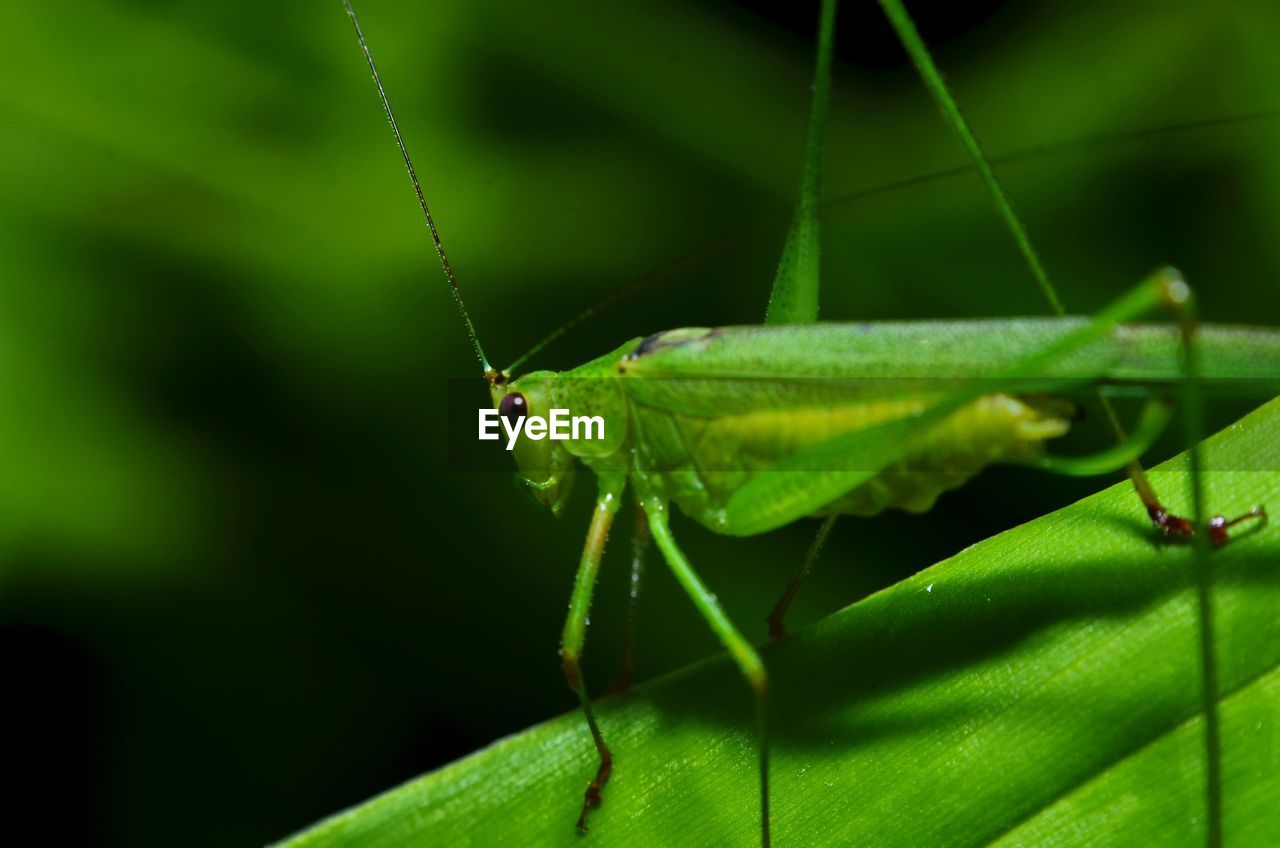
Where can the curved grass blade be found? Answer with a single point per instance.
(1040, 688)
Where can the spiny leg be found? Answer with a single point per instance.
(1166, 289)
(749, 662)
(1174, 527)
(1177, 297)
(1124, 453)
(575, 628)
(1179, 528)
(639, 548)
(777, 629)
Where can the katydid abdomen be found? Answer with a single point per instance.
(705, 461)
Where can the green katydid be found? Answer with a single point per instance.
(746, 429)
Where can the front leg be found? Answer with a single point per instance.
(575, 628)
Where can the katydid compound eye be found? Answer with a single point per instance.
(513, 407)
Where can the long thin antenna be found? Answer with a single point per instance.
(667, 271)
(417, 188)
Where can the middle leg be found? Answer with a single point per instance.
(639, 548)
(777, 628)
(748, 661)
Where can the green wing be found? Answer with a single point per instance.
(704, 372)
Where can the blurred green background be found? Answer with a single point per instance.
(240, 587)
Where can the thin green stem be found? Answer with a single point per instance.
(923, 61)
(794, 298)
(1203, 569)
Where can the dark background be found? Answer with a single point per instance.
(240, 587)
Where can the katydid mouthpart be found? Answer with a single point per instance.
(746, 429)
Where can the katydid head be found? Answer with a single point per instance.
(544, 467)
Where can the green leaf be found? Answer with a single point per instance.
(1039, 688)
